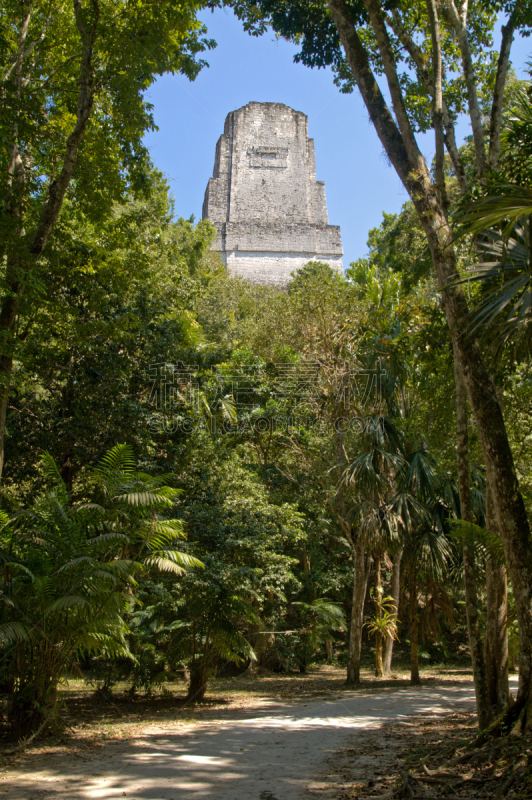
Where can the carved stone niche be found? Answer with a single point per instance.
(266, 157)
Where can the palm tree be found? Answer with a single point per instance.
(424, 501)
(371, 475)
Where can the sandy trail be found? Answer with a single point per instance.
(278, 750)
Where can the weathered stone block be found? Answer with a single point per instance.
(263, 198)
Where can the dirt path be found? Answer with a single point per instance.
(280, 749)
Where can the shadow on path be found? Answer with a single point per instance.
(279, 749)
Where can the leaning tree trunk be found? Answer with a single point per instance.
(395, 590)
(360, 583)
(470, 567)
(398, 140)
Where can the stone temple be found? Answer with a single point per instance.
(264, 200)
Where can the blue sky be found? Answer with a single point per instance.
(359, 183)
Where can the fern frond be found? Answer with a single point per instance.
(144, 499)
(119, 459)
(68, 602)
(163, 564)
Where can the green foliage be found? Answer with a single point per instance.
(485, 544)
(318, 620)
(384, 622)
(310, 26)
(130, 47)
(398, 244)
(70, 570)
(120, 299)
(210, 617)
(517, 137)
(501, 224)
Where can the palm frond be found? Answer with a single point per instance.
(13, 632)
(509, 207)
(485, 543)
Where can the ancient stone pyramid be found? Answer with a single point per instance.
(264, 200)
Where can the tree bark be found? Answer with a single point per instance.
(437, 113)
(470, 568)
(425, 76)
(496, 641)
(414, 627)
(329, 650)
(395, 591)
(378, 594)
(508, 503)
(360, 565)
(198, 683)
(500, 83)
(360, 583)
(477, 123)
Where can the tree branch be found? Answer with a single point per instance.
(500, 83)
(459, 21)
(437, 70)
(19, 60)
(419, 59)
(380, 115)
(378, 23)
(56, 192)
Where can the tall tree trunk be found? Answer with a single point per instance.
(9, 306)
(67, 457)
(415, 176)
(470, 567)
(360, 583)
(414, 627)
(378, 595)
(507, 499)
(360, 561)
(395, 591)
(496, 641)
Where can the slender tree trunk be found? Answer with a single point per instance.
(67, 458)
(9, 306)
(507, 499)
(459, 21)
(360, 565)
(414, 627)
(500, 85)
(395, 591)
(329, 650)
(360, 583)
(496, 641)
(418, 56)
(378, 594)
(470, 567)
